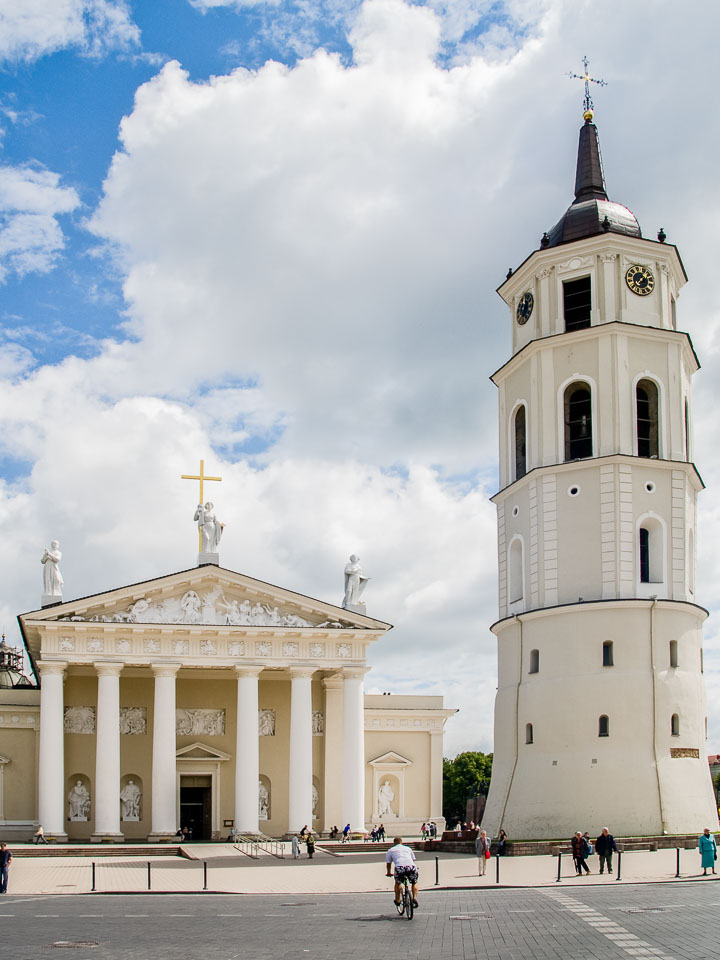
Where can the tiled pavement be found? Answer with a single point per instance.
(233, 872)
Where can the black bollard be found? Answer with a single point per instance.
(677, 871)
(618, 877)
(437, 870)
(148, 863)
(497, 868)
(204, 874)
(93, 877)
(559, 860)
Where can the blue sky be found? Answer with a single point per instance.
(269, 235)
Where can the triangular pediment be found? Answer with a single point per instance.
(201, 751)
(207, 596)
(390, 759)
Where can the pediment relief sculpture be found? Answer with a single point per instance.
(211, 608)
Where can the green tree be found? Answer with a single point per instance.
(468, 775)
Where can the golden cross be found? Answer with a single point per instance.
(201, 477)
(588, 105)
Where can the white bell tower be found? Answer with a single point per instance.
(600, 710)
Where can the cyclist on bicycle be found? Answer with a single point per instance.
(402, 858)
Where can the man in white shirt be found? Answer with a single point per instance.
(403, 859)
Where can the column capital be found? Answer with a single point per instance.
(354, 672)
(248, 669)
(52, 668)
(333, 682)
(302, 671)
(108, 668)
(165, 669)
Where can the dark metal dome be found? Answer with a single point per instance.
(591, 212)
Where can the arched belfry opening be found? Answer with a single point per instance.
(578, 421)
(647, 419)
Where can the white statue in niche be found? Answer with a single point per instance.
(130, 801)
(211, 530)
(263, 801)
(52, 578)
(79, 800)
(355, 584)
(266, 723)
(385, 799)
(315, 799)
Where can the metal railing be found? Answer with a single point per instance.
(247, 845)
(276, 848)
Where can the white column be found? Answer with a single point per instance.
(354, 749)
(333, 771)
(300, 778)
(247, 750)
(51, 762)
(164, 776)
(107, 753)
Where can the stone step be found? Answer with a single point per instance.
(94, 850)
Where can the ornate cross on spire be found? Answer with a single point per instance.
(201, 477)
(587, 102)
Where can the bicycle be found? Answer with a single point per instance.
(406, 901)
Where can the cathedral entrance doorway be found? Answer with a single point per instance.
(196, 806)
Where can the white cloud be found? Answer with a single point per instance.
(310, 256)
(31, 199)
(34, 28)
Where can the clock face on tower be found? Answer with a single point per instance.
(524, 307)
(640, 280)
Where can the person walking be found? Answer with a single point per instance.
(295, 847)
(310, 845)
(604, 847)
(708, 851)
(580, 852)
(346, 833)
(39, 835)
(482, 849)
(5, 861)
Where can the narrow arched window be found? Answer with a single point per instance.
(691, 562)
(675, 725)
(578, 422)
(603, 727)
(687, 431)
(520, 432)
(646, 407)
(528, 733)
(644, 555)
(650, 551)
(534, 661)
(607, 654)
(516, 571)
(673, 653)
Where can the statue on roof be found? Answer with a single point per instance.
(52, 578)
(211, 530)
(355, 584)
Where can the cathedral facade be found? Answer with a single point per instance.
(209, 700)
